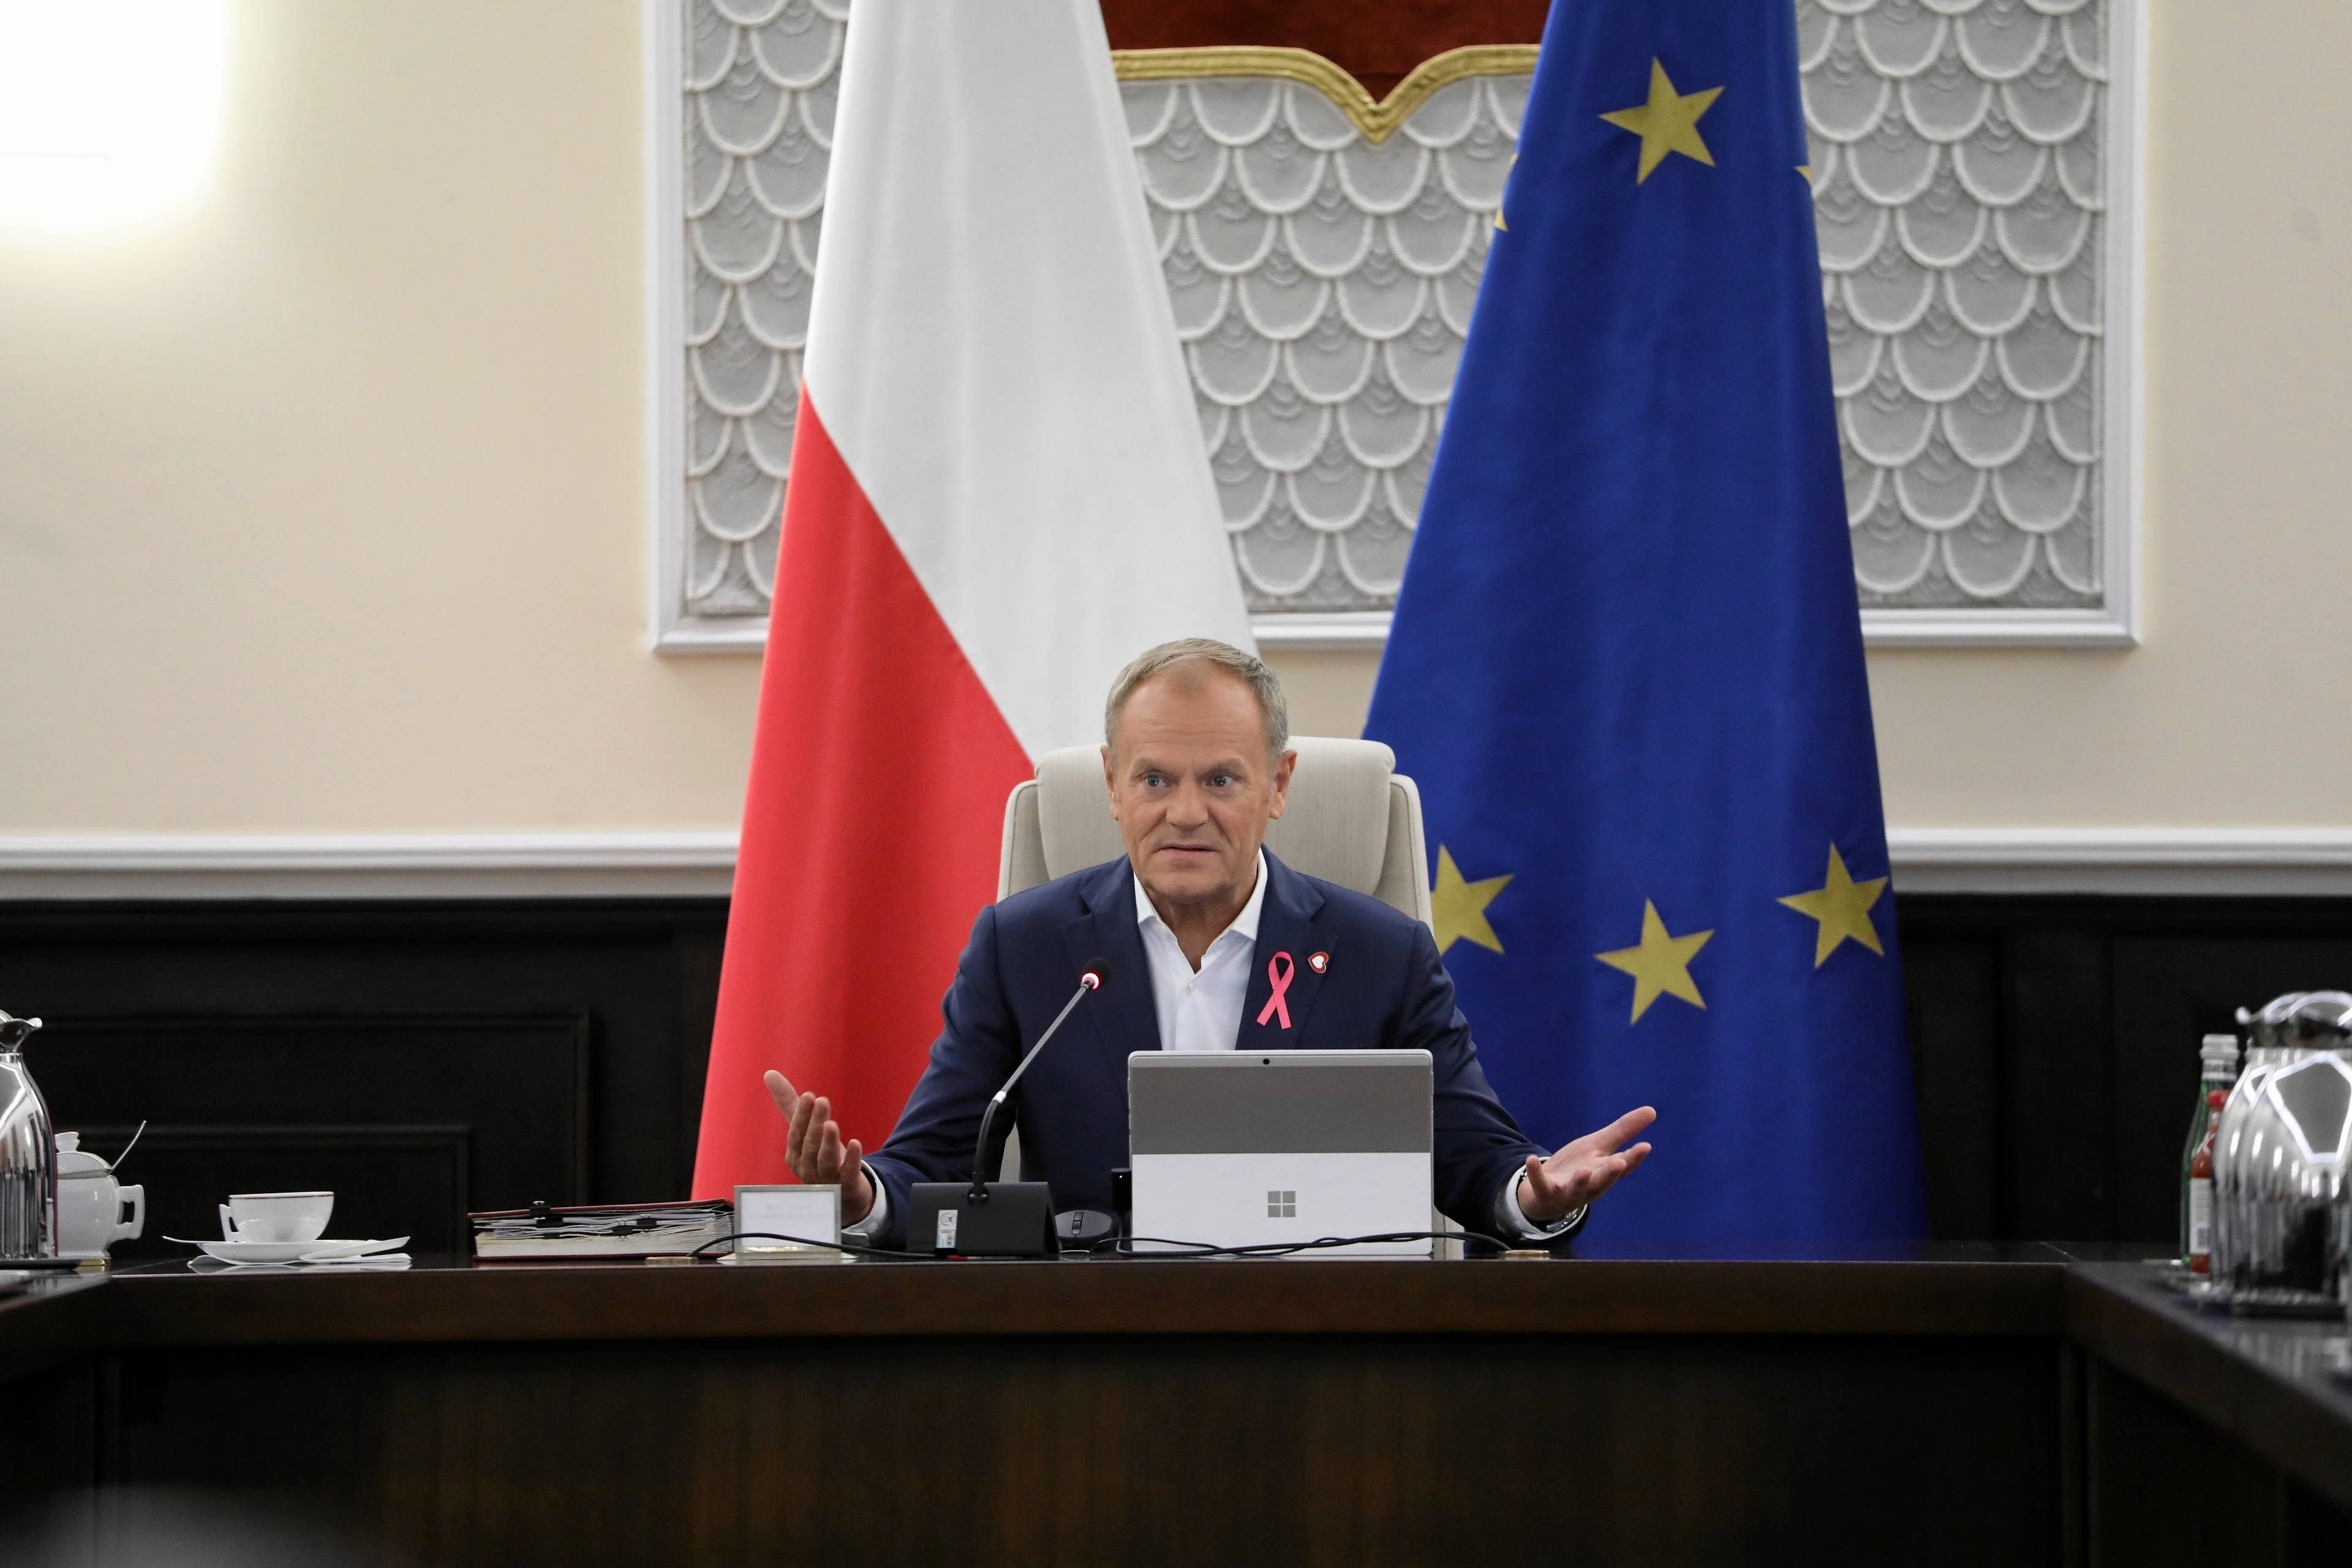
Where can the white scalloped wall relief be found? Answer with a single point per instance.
(1322, 283)
(1960, 189)
(760, 81)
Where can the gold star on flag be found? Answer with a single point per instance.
(1842, 905)
(1458, 909)
(1668, 122)
(1660, 965)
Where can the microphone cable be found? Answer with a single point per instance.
(1124, 1246)
(808, 1241)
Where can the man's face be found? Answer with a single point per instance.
(1192, 787)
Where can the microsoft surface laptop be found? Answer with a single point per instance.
(1237, 1147)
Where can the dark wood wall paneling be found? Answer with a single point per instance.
(2056, 1043)
(421, 1058)
(417, 1058)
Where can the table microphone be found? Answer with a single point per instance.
(1097, 970)
(996, 1219)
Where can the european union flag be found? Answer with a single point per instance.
(1626, 665)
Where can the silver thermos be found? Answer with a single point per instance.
(2280, 1152)
(28, 1152)
(2263, 1053)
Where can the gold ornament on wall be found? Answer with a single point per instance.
(1376, 121)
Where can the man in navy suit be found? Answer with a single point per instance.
(1195, 924)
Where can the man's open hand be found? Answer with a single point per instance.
(1582, 1171)
(814, 1151)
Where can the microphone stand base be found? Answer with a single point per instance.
(1008, 1219)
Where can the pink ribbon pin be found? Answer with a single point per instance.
(1278, 971)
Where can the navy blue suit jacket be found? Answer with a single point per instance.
(1383, 988)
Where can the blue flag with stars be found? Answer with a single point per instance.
(1626, 665)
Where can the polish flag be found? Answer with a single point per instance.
(998, 497)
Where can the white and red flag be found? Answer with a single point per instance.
(998, 496)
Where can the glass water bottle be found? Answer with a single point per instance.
(2219, 1057)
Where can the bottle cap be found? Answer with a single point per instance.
(2218, 1047)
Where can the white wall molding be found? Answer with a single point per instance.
(2212, 861)
(1369, 629)
(2109, 627)
(713, 634)
(365, 864)
(2208, 861)
(671, 626)
(2125, 331)
(1338, 629)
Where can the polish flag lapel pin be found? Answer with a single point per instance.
(1319, 961)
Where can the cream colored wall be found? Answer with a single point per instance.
(2232, 709)
(322, 505)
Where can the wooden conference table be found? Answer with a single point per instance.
(2031, 1403)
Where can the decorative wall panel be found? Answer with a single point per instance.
(1322, 283)
(1322, 253)
(760, 87)
(1959, 184)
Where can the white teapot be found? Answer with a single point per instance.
(90, 1202)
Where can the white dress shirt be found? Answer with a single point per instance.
(1200, 1010)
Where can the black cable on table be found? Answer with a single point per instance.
(805, 1241)
(1124, 1246)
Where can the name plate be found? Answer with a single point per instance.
(790, 1223)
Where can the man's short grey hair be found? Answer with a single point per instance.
(1185, 652)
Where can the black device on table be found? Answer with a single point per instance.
(988, 1218)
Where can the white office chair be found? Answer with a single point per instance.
(1352, 820)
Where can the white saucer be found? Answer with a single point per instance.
(289, 1251)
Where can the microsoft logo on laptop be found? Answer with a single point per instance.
(1281, 1204)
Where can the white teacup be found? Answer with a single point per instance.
(275, 1216)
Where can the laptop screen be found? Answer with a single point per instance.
(1296, 1102)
